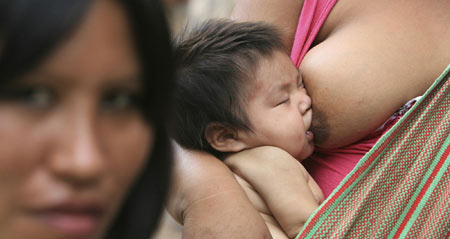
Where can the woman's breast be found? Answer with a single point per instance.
(363, 72)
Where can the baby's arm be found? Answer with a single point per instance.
(258, 202)
(209, 202)
(283, 183)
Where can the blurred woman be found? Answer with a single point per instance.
(83, 150)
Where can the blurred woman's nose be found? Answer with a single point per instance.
(78, 157)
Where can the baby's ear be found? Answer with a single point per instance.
(223, 138)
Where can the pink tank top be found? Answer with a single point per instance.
(329, 167)
(313, 15)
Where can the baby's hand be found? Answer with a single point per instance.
(282, 182)
(252, 164)
(266, 162)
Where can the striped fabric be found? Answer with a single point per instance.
(401, 188)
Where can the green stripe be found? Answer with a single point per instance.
(331, 208)
(427, 175)
(361, 162)
(323, 218)
(427, 195)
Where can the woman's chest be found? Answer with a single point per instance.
(369, 66)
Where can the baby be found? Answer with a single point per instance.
(236, 91)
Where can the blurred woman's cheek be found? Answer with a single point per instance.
(69, 150)
(73, 138)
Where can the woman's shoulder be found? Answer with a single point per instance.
(283, 14)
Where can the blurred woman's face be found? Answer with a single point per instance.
(72, 137)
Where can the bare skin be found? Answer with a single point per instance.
(199, 196)
(278, 186)
(283, 14)
(368, 63)
(369, 58)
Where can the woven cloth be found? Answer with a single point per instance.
(401, 187)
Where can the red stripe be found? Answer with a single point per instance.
(448, 235)
(424, 190)
(368, 162)
(351, 180)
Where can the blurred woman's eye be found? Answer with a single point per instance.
(30, 96)
(120, 101)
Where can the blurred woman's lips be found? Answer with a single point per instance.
(72, 218)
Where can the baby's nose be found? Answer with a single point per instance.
(305, 103)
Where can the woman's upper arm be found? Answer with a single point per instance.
(206, 198)
(283, 14)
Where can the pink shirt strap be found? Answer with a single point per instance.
(313, 15)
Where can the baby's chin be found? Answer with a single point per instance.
(308, 149)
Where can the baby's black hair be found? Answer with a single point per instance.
(214, 62)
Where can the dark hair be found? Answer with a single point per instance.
(215, 61)
(30, 30)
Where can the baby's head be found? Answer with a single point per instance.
(237, 89)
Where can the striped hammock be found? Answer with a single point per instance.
(401, 188)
